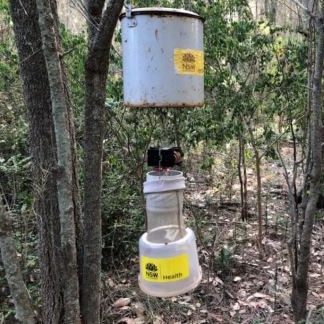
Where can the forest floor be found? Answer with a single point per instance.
(237, 285)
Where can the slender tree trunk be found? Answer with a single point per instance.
(258, 158)
(270, 8)
(241, 165)
(300, 281)
(18, 289)
(259, 200)
(100, 30)
(43, 153)
(52, 51)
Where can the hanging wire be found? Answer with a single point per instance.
(82, 9)
(160, 159)
(128, 6)
(179, 215)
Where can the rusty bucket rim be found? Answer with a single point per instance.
(161, 11)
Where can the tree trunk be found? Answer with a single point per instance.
(259, 200)
(258, 158)
(300, 280)
(52, 51)
(59, 286)
(18, 289)
(43, 153)
(241, 166)
(100, 30)
(270, 9)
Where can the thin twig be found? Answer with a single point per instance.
(303, 7)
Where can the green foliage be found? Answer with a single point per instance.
(244, 74)
(247, 73)
(225, 261)
(123, 166)
(13, 127)
(257, 321)
(16, 181)
(14, 155)
(320, 316)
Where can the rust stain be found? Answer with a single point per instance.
(153, 105)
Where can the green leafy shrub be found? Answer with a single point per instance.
(225, 262)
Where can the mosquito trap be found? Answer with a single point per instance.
(163, 66)
(169, 263)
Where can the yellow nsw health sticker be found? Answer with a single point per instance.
(165, 269)
(189, 61)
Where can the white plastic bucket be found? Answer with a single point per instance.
(168, 269)
(163, 59)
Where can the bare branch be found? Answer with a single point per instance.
(296, 2)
